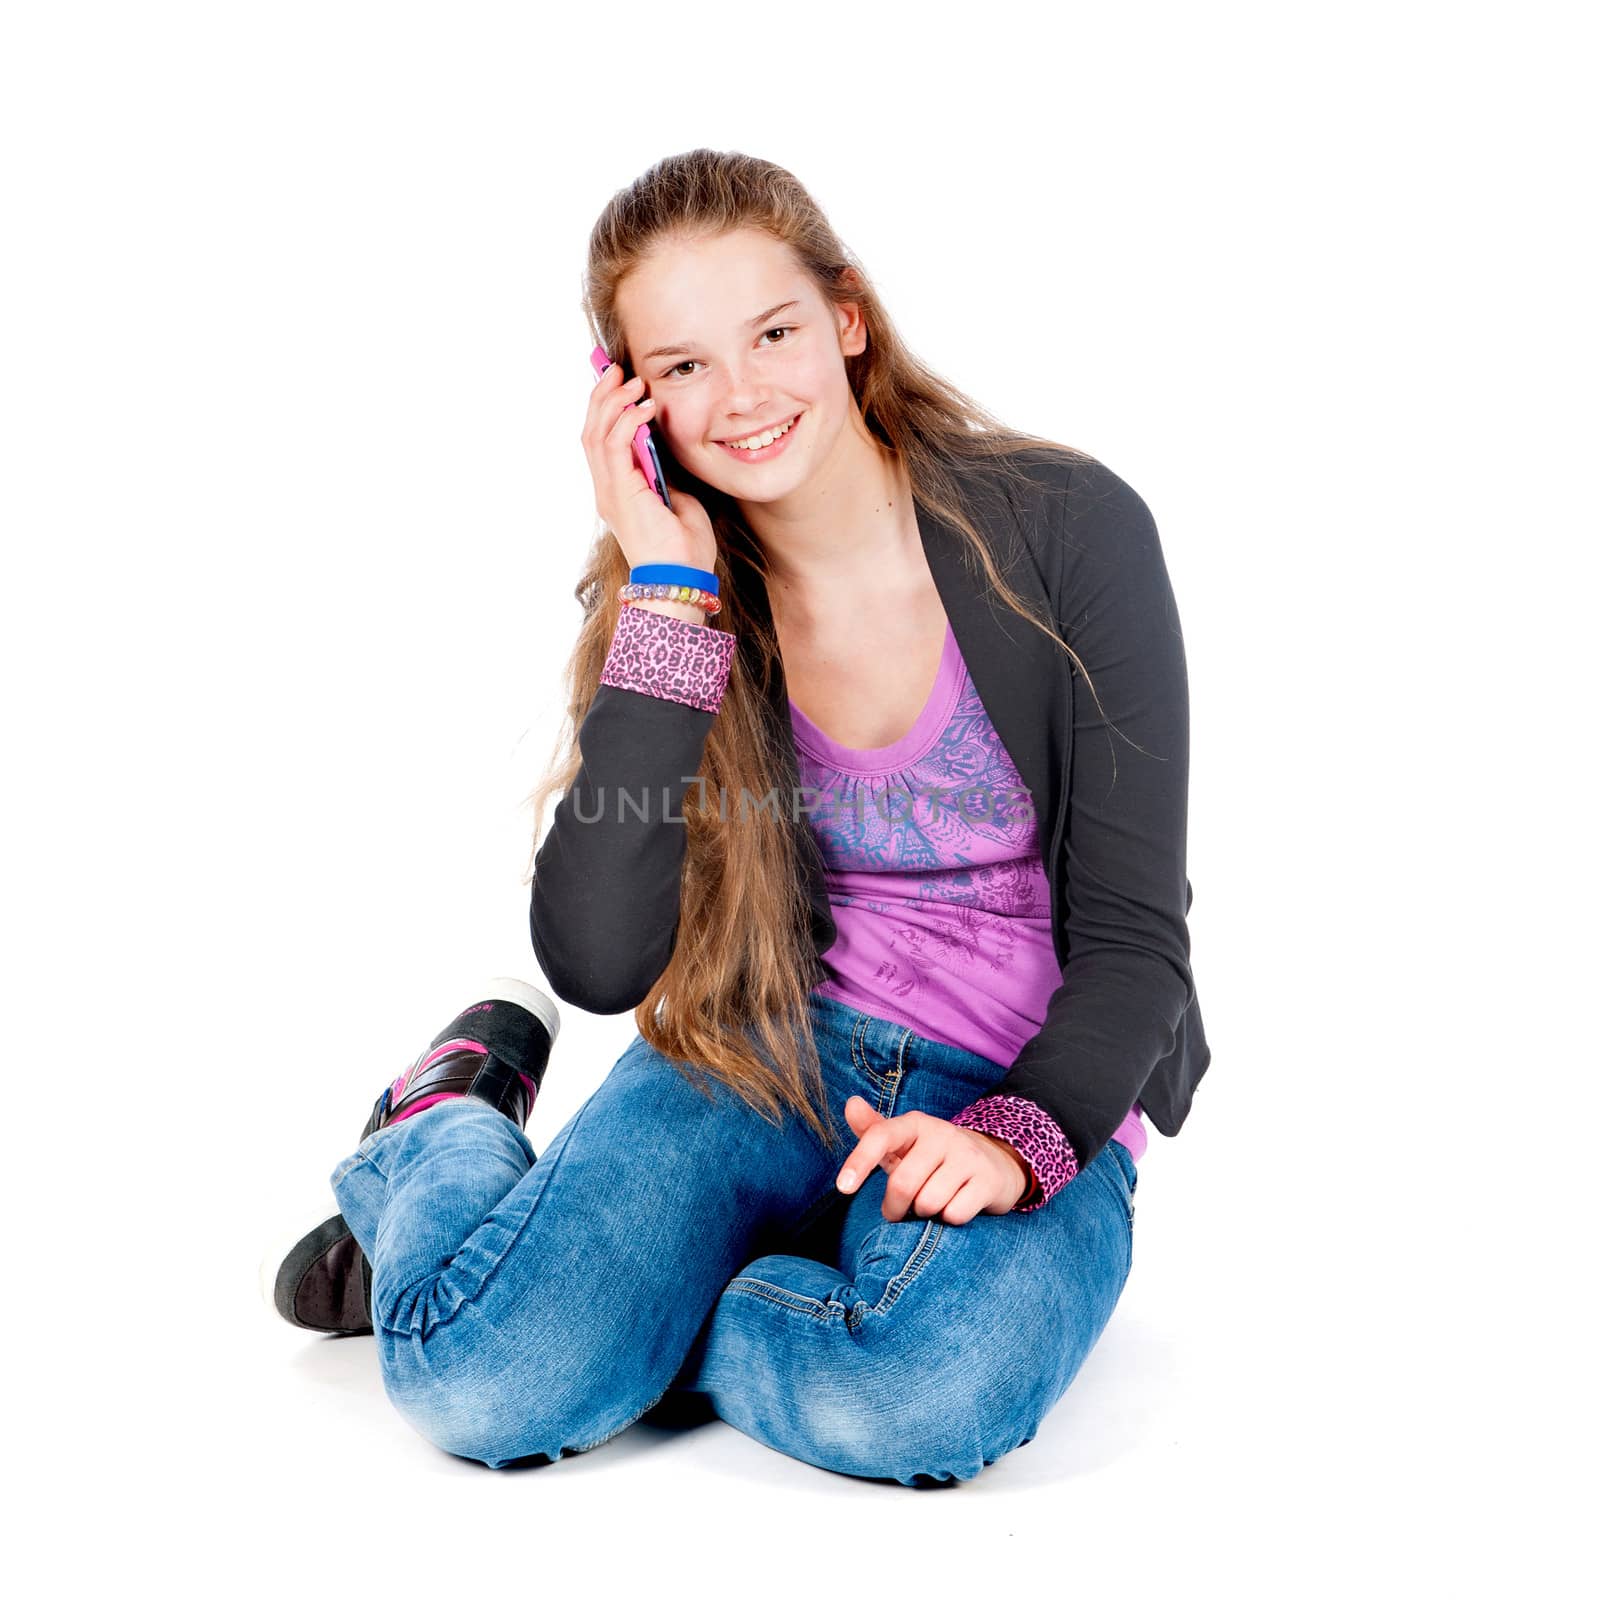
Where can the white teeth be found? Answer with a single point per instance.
(758, 441)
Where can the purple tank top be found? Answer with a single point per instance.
(936, 879)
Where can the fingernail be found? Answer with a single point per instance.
(847, 1180)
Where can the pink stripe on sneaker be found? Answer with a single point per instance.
(452, 1045)
(398, 1087)
(449, 1047)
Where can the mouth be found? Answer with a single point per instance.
(767, 451)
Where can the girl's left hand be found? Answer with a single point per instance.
(935, 1168)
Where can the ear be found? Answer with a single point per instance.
(851, 320)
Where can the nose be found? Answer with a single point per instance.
(744, 396)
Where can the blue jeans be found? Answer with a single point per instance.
(535, 1306)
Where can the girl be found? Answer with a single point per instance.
(909, 965)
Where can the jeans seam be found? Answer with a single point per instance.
(807, 1305)
(918, 1259)
(827, 1311)
(887, 1087)
(1116, 1190)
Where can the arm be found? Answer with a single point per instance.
(1127, 981)
(607, 878)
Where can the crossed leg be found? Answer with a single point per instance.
(923, 1351)
(535, 1307)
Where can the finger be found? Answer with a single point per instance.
(616, 465)
(628, 402)
(626, 423)
(888, 1137)
(622, 421)
(855, 1169)
(606, 384)
(860, 1113)
(907, 1188)
(964, 1204)
(943, 1185)
(608, 400)
(608, 465)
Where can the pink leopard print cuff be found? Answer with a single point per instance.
(669, 658)
(1033, 1133)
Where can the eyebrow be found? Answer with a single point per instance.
(683, 349)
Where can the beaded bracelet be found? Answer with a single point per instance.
(674, 572)
(709, 603)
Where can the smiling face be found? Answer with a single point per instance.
(734, 340)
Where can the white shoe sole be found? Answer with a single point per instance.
(524, 995)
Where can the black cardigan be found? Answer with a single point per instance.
(1125, 1023)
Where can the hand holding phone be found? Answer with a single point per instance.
(631, 495)
(644, 441)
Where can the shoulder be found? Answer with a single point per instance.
(1074, 512)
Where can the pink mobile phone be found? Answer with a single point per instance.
(644, 442)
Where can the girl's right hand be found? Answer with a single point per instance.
(644, 527)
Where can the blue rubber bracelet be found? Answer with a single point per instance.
(670, 572)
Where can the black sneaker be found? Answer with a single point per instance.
(318, 1277)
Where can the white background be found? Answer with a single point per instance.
(293, 374)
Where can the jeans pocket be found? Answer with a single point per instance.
(883, 1080)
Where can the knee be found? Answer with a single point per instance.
(488, 1423)
(462, 1421)
(533, 1412)
(935, 1446)
(917, 1428)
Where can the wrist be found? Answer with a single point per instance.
(1018, 1160)
(673, 608)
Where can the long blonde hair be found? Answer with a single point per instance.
(731, 1003)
